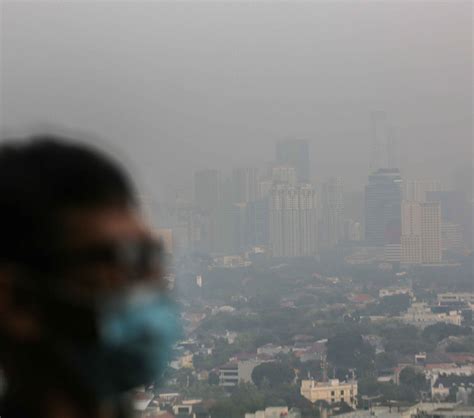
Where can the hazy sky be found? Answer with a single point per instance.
(188, 85)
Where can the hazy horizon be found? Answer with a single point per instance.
(179, 87)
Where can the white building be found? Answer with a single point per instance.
(416, 190)
(456, 297)
(275, 412)
(425, 409)
(392, 291)
(452, 237)
(293, 220)
(231, 374)
(421, 233)
(420, 315)
(431, 249)
(332, 391)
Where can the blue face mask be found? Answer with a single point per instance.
(136, 331)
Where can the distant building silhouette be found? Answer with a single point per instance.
(244, 184)
(296, 154)
(421, 233)
(417, 190)
(293, 220)
(208, 200)
(332, 212)
(383, 197)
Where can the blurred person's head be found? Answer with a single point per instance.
(80, 274)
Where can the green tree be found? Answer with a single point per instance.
(310, 368)
(390, 305)
(385, 361)
(466, 345)
(350, 351)
(413, 380)
(246, 397)
(440, 331)
(275, 374)
(213, 378)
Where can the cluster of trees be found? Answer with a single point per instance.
(412, 385)
(438, 332)
(350, 351)
(388, 306)
(466, 345)
(247, 397)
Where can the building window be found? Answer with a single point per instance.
(332, 393)
(342, 392)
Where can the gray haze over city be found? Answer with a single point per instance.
(181, 86)
(307, 167)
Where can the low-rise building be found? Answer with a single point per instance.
(332, 391)
(456, 297)
(420, 315)
(272, 349)
(275, 412)
(233, 373)
(393, 291)
(425, 410)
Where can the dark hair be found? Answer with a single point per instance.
(40, 178)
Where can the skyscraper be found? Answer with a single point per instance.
(257, 223)
(431, 250)
(383, 198)
(421, 233)
(332, 217)
(244, 184)
(293, 221)
(418, 190)
(411, 232)
(296, 154)
(284, 174)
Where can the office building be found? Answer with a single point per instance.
(411, 233)
(452, 237)
(284, 174)
(456, 218)
(418, 190)
(293, 221)
(257, 223)
(383, 208)
(244, 184)
(421, 233)
(431, 250)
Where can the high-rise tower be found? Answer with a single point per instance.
(383, 197)
(293, 222)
